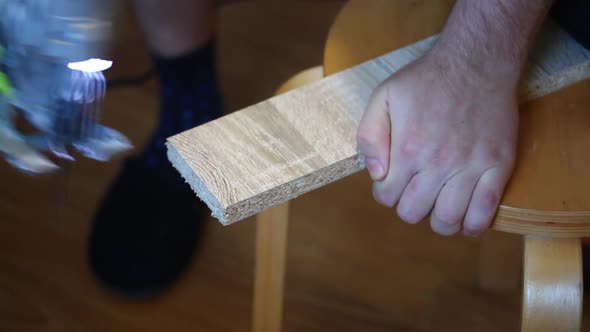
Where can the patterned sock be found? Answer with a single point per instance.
(189, 96)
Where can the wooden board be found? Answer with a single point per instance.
(288, 145)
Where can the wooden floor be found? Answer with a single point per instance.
(351, 265)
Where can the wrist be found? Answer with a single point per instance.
(490, 39)
(476, 68)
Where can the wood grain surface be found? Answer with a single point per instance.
(552, 297)
(288, 145)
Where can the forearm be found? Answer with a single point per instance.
(492, 37)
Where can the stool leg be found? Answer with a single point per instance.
(500, 262)
(552, 294)
(271, 247)
(271, 243)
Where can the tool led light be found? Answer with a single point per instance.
(91, 65)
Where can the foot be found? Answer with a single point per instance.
(146, 231)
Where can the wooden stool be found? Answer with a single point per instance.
(547, 199)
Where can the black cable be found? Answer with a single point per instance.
(132, 80)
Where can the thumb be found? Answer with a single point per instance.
(373, 135)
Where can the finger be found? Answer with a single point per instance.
(389, 191)
(373, 135)
(419, 196)
(452, 202)
(484, 201)
(401, 169)
(442, 228)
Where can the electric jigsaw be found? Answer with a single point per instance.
(51, 74)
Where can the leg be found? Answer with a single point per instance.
(180, 35)
(500, 264)
(552, 297)
(175, 27)
(271, 247)
(148, 226)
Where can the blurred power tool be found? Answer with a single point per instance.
(51, 75)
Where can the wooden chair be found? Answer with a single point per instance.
(547, 201)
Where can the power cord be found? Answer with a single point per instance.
(132, 80)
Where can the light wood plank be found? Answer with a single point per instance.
(288, 145)
(552, 294)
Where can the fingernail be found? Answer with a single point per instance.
(375, 168)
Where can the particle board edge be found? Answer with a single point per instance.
(246, 208)
(196, 183)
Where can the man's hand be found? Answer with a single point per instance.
(442, 139)
(439, 136)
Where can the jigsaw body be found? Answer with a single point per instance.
(51, 74)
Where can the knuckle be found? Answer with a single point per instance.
(382, 197)
(449, 216)
(475, 229)
(497, 156)
(378, 196)
(477, 225)
(489, 201)
(407, 214)
(442, 155)
(409, 148)
(451, 156)
(444, 230)
(412, 188)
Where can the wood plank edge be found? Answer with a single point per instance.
(277, 195)
(195, 182)
(554, 83)
(293, 189)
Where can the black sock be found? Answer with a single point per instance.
(189, 96)
(573, 16)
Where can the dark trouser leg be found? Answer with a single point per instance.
(148, 226)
